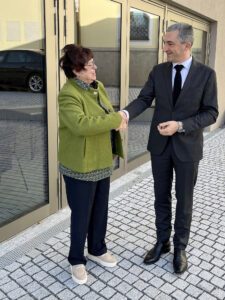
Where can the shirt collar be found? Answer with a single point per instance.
(186, 63)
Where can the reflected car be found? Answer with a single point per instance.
(22, 69)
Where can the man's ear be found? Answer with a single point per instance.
(188, 46)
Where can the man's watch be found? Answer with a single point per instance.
(180, 127)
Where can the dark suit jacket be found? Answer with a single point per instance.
(196, 107)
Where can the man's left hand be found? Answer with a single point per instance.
(168, 128)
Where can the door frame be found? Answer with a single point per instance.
(35, 216)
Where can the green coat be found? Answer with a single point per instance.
(84, 128)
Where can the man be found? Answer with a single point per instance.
(185, 103)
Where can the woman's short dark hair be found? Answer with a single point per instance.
(74, 58)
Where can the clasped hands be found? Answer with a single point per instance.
(168, 128)
(165, 128)
(124, 122)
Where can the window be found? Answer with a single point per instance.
(139, 26)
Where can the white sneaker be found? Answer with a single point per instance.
(106, 260)
(79, 274)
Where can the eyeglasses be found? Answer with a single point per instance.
(91, 64)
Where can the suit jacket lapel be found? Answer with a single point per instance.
(168, 81)
(189, 80)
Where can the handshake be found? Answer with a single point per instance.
(124, 122)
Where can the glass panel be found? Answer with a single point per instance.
(23, 125)
(101, 31)
(144, 44)
(199, 46)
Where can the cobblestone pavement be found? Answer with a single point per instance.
(42, 270)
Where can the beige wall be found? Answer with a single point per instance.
(214, 10)
(97, 31)
(21, 24)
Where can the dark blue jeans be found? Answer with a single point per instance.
(88, 202)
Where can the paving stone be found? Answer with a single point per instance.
(146, 276)
(123, 288)
(9, 286)
(156, 282)
(41, 293)
(218, 282)
(206, 275)
(55, 271)
(34, 253)
(32, 287)
(98, 286)
(32, 270)
(12, 267)
(106, 276)
(134, 294)
(2, 295)
(114, 281)
(118, 296)
(193, 279)
(81, 290)
(107, 292)
(90, 296)
(66, 294)
(28, 297)
(121, 273)
(219, 293)
(167, 288)
(3, 273)
(48, 281)
(163, 296)
(56, 287)
(17, 293)
(179, 295)
(193, 291)
(40, 275)
(24, 280)
(207, 296)
(206, 286)
(48, 266)
(130, 278)
(152, 292)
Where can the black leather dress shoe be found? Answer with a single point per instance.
(180, 261)
(154, 254)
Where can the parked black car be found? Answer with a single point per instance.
(22, 69)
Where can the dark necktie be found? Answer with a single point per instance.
(177, 83)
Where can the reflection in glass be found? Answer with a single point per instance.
(199, 46)
(139, 26)
(143, 56)
(101, 31)
(23, 124)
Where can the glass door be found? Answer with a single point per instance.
(98, 26)
(27, 126)
(145, 51)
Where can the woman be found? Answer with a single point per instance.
(86, 124)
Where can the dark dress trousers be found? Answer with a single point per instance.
(197, 108)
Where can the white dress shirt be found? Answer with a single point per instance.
(184, 71)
